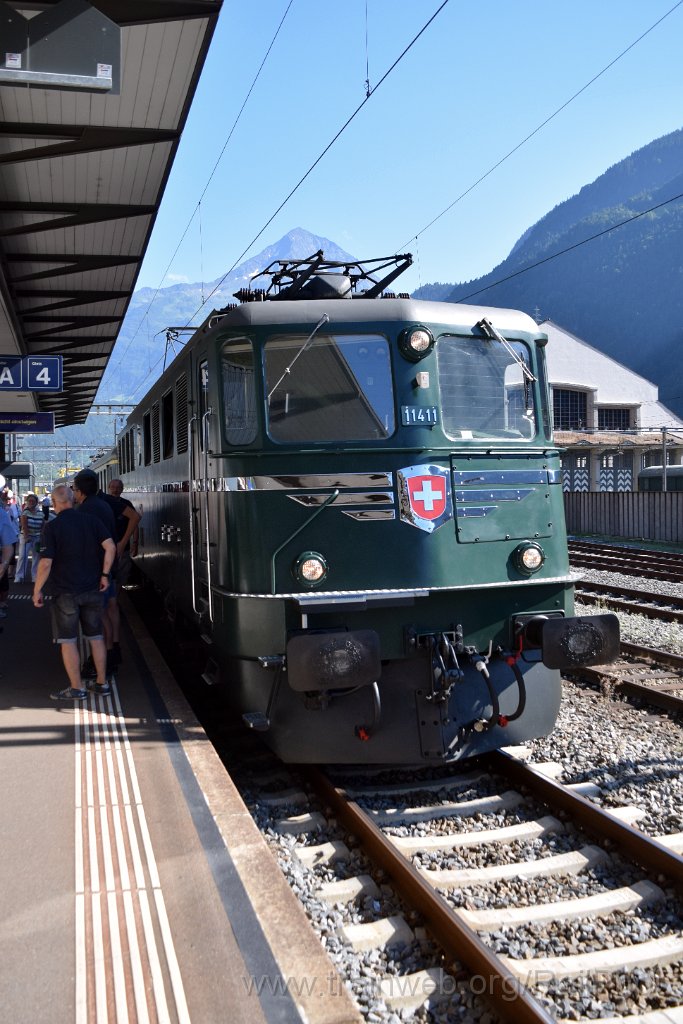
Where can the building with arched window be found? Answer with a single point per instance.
(608, 419)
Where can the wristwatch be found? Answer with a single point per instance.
(107, 574)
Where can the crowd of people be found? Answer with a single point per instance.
(77, 545)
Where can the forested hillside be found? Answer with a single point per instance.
(623, 291)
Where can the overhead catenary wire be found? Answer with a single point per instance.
(197, 209)
(309, 171)
(569, 248)
(538, 128)
(474, 185)
(325, 151)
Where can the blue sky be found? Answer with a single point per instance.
(480, 79)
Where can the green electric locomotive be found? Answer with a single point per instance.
(357, 499)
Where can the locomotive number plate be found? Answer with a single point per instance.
(419, 415)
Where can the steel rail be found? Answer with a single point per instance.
(658, 698)
(622, 550)
(508, 996)
(649, 853)
(592, 586)
(627, 567)
(652, 654)
(590, 594)
(638, 556)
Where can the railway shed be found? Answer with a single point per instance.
(608, 420)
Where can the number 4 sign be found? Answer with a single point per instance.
(31, 373)
(44, 373)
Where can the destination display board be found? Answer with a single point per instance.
(27, 423)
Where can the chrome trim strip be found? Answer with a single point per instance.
(474, 511)
(311, 600)
(499, 476)
(366, 498)
(305, 481)
(382, 594)
(508, 494)
(370, 513)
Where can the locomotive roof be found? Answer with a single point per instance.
(367, 311)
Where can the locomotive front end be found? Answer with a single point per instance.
(357, 499)
(396, 586)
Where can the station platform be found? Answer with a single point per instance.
(135, 886)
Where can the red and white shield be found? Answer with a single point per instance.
(427, 496)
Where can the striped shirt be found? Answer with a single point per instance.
(34, 522)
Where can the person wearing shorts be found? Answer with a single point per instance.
(77, 559)
(9, 534)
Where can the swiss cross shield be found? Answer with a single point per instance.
(425, 496)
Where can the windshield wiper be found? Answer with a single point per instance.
(490, 331)
(324, 319)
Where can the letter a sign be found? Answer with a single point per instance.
(11, 373)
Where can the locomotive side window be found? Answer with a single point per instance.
(329, 388)
(484, 389)
(239, 391)
(167, 425)
(181, 438)
(147, 439)
(156, 445)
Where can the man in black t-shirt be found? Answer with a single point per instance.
(77, 558)
(90, 503)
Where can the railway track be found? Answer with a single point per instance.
(646, 673)
(632, 600)
(501, 866)
(495, 884)
(667, 566)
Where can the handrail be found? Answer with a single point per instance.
(190, 447)
(205, 435)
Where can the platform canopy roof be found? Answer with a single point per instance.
(82, 173)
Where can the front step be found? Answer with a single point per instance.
(256, 720)
(212, 673)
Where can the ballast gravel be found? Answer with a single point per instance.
(633, 754)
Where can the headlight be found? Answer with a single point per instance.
(528, 557)
(415, 342)
(310, 568)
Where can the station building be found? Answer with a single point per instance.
(607, 419)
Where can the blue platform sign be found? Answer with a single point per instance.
(27, 423)
(11, 373)
(43, 373)
(31, 373)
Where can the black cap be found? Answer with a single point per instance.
(85, 474)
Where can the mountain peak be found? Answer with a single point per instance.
(142, 339)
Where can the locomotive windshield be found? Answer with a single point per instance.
(331, 388)
(484, 389)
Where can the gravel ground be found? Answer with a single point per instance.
(633, 754)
